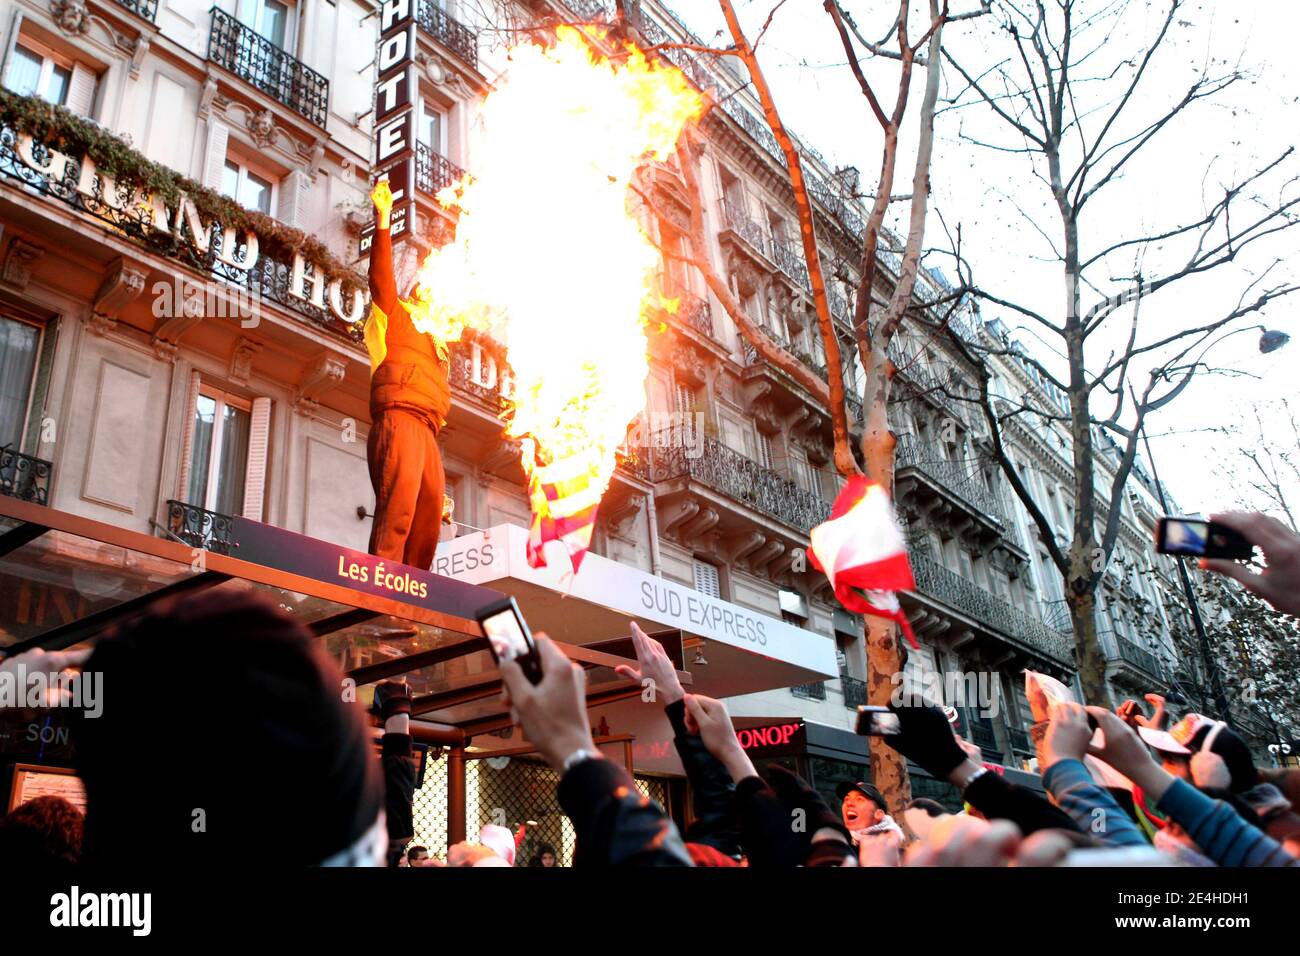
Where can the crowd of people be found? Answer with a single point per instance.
(270, 762)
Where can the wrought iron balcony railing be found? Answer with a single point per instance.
(962, 481)
(433, 171)
(199, 527)
(148, 9)
(259, 62)
(950, 588)
(450, 32)
(839, 304)
(814, 691)
(743, 480)
(24, 477)
(735, 219)
(789, 261)
(695, 312)
(855, 691)
(1139, 657)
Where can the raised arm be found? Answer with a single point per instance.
(383, 284)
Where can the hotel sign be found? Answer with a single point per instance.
(396, 94)
(178, 230)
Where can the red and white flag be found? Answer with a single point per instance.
(862, 552)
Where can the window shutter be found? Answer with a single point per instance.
(215, 161)
(81, 91)
(187, 439)
(292, 206)
(255, 474)
(706, 579)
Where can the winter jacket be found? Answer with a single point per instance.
(411, 368)
(996, 798)
(616, 826)
(711, 788)
(1220, 831)
(1074, 791)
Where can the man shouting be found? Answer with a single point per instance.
(409, 401)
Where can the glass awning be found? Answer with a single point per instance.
(65, 580)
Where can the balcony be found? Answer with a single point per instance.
(788, 258)
(855, 691)
(954, 479)
(451, 33)
(839, 305)
(736, 221)
(260, 63)
(695, 313)
(146, 9)
(434, 172)
(24, 477)
(743, 480)
(1133, 661)
(814, 691)
(199, 527)
(947, 587)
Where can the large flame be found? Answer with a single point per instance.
(550, 259)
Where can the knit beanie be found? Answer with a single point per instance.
(224, 739)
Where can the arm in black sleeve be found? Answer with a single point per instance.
(999, 799)
(616, 826)
(383, 283)
(399, 792)
(766, 826)
(711, 787)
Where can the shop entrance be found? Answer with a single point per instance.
(65, 580)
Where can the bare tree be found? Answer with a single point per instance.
(1265, 469)
(873, 325)
(1081, 125)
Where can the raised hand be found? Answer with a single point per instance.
(1068, 733)
(709, 718)
(1279, 582)
(654, 666)
(553, 713)
(382, 197)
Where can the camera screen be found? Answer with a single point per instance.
(507, 637)
(1186, 537)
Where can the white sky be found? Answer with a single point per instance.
(1209, 145)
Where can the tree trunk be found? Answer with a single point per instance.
(884, 656)
(1091, 662)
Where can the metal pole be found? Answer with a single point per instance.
(1211, 668)
(455, 796)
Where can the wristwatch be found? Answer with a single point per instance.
(577, 757)
(965, 784)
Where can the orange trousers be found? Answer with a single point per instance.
(406, 474)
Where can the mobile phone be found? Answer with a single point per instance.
(509, 638)
(876, 722)
(1197, 538)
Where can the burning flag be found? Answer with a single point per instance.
(549, 260)
(861, 546)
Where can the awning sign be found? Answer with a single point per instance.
(499, 553)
